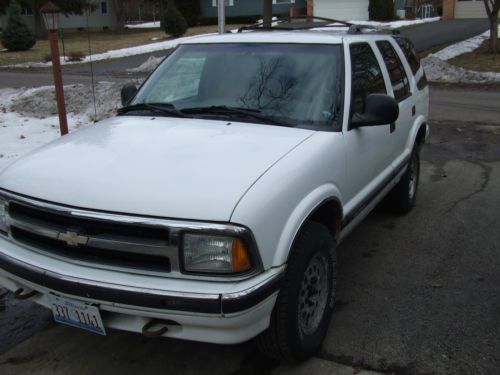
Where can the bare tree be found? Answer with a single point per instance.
(492, 8)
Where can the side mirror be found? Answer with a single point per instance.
(380, 109)
(128, 92)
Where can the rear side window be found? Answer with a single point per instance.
(397, 74)
(367, 76)
(413, 61)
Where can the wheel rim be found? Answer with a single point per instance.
(413, 172)
(313, 295)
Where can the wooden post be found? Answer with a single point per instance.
(58, 82)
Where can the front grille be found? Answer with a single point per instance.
(96, 241)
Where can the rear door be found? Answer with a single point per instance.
(402, 91)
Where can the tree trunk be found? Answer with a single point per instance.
(494, 33)
(40, 30)
(267, 12)
(119, 14)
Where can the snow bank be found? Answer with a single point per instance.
(148, 66)
(28, 117)
(438, 70)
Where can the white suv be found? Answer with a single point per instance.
(211, 207)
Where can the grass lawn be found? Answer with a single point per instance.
(479, 59)
(101, 41)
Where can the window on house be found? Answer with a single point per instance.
(367, 76)
(228, 3)
(283, 1)
(27, 11)
(397, 74)
(104, 7)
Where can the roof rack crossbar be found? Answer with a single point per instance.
(276, 25)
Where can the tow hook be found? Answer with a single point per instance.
(147, 332)
(18, 294)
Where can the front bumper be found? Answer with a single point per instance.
(215, 312)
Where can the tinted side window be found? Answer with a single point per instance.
(414, 61)
(399, 80)
(367, 76)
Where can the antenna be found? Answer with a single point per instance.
(91, 65)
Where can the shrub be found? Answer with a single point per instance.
(190, 9)
(16, 36)
(175, 23)
(381, 10)
(76, 56)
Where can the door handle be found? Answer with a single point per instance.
(393, 127)
(413, 111)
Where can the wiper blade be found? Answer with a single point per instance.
(236, 112)
(162, 108)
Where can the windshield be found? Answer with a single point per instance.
(296, 83)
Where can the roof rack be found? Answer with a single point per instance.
(327, 22)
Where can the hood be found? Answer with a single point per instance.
(166, 167)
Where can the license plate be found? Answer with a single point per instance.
(77, 314)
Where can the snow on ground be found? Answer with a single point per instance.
(114, 54)
(28, 117)
(439, 70)
(144, 25)
(148, 66)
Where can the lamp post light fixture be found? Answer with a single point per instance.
(50, 13)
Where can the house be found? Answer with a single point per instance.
(103, 17)
(235, 8)
(463, 9)
(343, 10)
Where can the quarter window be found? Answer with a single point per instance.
(414, 62)
(397, 74)
(367, 76)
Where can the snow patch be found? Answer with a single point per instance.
(144, 25)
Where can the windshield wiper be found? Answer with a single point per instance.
(161, 108)
(236, 112)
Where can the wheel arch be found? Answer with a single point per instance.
(325, 208)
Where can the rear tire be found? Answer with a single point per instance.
(305, 303)
(403, 196)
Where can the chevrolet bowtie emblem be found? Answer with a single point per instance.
(73, 238)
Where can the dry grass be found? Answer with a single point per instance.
(101, 41)
(479, 60)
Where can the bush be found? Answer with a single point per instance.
(190, 9)
(381, 10)
(175, 23)
(16, 36)
(76, 56)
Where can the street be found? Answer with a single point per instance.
(417, 294)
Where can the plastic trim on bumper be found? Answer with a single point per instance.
(151, 298)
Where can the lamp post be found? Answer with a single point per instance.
(50, 13)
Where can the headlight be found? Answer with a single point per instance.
(3, 218)
(215, 254)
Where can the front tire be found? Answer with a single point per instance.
(305, 303)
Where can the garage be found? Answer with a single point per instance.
(463, 9)
(341, 9)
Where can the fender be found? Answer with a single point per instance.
(412, 137)
(302, 212)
